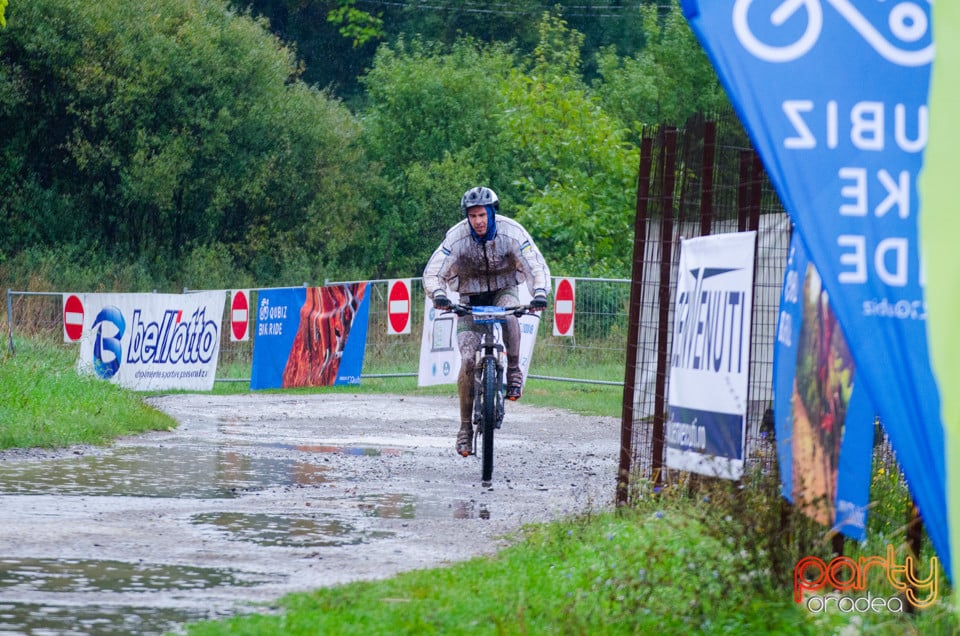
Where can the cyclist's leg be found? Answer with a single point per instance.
(509, 297)
(467, 340)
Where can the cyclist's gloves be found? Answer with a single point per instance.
(440, 301)
(539, 302)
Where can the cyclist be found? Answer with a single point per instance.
(484, 258)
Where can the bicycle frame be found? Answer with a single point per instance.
(488, 398)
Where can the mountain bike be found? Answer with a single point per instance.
(488, 386)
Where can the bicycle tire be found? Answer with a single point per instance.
(489, 416)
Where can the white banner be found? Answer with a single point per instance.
(150, 342)
(440, 353)
(710, 361)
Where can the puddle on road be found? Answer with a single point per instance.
(83, 575)
(200, 473)
(399, 506)
(27, 577)
(312, 530)
(364, 451)
(83, 588)
(68, 620)
(391, 506)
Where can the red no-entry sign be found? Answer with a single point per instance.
(563, 308)
(239, 316)
(398, 306)
(72, 318)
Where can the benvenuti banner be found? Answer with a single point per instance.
(310, 336)
(824, 427)
(834, 97)
(152, 342)
(710, 360)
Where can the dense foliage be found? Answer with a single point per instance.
(338, 39)
(153, 131)
(190, 137)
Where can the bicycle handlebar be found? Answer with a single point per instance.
(493, 311)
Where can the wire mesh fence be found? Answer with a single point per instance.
(680, 195)
(593, 353)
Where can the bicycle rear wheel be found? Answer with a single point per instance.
(489, 386)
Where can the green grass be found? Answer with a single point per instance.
(45, 403)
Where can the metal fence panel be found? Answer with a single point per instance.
(594, 354)
(681, 195)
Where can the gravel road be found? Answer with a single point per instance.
(254, 496)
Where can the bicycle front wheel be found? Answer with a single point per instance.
(490, 388)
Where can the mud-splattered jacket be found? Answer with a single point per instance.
(468, 266)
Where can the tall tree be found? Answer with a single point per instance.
(154, 130)
(431, 122)
(575, 173)
(337, 39)
(667, 81)
(442, 119)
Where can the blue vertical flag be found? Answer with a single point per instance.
(834, 97)
(824, 428)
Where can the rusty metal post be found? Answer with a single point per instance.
(706, 177)
(10, 348)
(633, 322)
(743, 190)
(756, 192)
(668, 181)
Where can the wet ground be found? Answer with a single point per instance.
(255, 496)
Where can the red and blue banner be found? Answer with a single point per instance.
(824, 428)
(310, 336)
(834, 96)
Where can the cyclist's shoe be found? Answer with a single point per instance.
(465, 440)
(514, 383)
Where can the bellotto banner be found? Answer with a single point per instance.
(834, 96)
(151, 342)
(310, 336)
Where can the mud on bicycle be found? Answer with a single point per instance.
(488, 386)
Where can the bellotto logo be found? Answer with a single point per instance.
(108, 328)
(844, 574)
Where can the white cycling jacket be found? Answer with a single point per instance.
(468, 266)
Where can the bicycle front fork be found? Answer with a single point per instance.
(478, 388)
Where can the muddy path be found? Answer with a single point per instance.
(254, 496)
